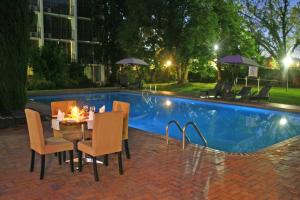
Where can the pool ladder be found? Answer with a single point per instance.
(183, 132)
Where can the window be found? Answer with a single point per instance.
(57, 6)
(86, 53)
(84, 8)
(85, 30)
(56, 27)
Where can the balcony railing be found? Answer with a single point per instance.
(34, 7)
(60, 10)
(48, 35)
(35, 34)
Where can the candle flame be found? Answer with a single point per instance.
(75, 114)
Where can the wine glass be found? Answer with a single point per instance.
(92, 108)
(85, 108)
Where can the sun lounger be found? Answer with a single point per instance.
(263, 93)
(213, 92)
(225, 91)
(243, 94)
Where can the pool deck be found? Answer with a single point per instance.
(155, 171)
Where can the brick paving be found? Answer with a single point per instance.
(156, 171)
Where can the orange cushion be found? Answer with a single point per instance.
(54, 144)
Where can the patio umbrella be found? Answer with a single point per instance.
(238, 60)
(131, 61)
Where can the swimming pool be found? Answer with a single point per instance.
(229, 128)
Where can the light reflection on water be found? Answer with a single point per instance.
(226, 127)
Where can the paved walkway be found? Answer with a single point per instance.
(156, 171)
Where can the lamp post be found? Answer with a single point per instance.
(287, 61)
(216, 49)
(168, 65)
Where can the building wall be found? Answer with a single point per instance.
(69, 23)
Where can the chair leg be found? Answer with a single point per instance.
(64, 155)
(95, 169)
(71, 161)
(120, 163)
(127, 149)
(42, 166)
(79, 161)
(32, 160)
(106, 159)
(59, 158)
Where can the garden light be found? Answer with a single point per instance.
(287, 61)
(216, 47)
(168, 63)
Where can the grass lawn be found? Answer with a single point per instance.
(277, 94)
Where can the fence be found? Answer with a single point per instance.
(259, 81)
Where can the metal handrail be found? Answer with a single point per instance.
(179, 127)
(146, 97)
(196, 128)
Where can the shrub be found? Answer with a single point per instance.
(51, 70)
(40, 84)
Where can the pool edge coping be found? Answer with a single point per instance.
(260, 151)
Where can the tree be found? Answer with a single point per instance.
(233, 37)
(275, 24)
(14, 42)
(170, 29)
(107, 17)
(49, 63)
(185, 32)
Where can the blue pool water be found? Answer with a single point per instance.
(229, 128)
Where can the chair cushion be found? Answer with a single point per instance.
(70, 135)
(55, 144)
(86, 147)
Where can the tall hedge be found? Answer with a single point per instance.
(14, 50)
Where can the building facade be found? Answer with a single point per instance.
(70, 24)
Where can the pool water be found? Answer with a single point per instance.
(229, 128)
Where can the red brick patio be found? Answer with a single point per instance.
(156, 171)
